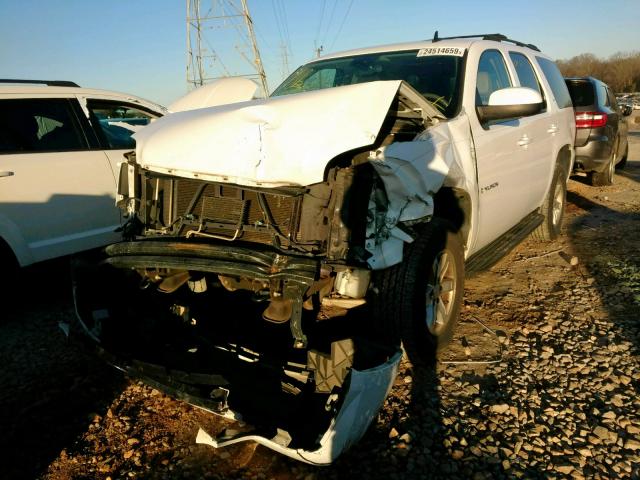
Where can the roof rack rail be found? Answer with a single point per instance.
(496, 37)
(50, 83)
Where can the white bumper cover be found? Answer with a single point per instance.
(366, 392)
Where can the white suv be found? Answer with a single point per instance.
(60, 146)
(278, 250)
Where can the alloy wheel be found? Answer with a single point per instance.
(441, 291)
(557, 207)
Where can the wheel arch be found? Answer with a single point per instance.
(12, 242)
(565, 158)
(455, 205)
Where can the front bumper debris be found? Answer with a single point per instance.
(365, 394)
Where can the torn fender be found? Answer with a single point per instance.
(366, 392)
(412, 172)
(273, 142)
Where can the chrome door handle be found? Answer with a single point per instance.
(553, 128)
(524, 140)
(6, 174)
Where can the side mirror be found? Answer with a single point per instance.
(509, 103)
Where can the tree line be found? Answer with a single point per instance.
(621, 71)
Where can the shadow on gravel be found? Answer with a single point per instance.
(417, 436)
(605, 241)
(600, 240)
(49, 390)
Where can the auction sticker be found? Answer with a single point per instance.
(427, 52)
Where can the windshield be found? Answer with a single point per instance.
(436, 77)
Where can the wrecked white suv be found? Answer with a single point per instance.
(278, 251)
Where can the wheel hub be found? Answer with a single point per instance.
(612, 168)
(440, 294)
(558, 205)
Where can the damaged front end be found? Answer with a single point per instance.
(249, 296)
(242, 334)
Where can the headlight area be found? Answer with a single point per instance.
(326, 219)
(245, 333)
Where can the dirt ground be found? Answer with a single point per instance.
(547, 389)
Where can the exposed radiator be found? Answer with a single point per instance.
(225, 208)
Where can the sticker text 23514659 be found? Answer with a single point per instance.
(427, 52)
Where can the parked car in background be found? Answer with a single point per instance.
(626, 109)
(601, 130)
(60, 146)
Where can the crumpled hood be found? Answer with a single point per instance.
(273, 142)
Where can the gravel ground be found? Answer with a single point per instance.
(549, 389)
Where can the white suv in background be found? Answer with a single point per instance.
(59, 149)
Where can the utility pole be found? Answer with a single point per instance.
(207, 42)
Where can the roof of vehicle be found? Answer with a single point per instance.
(583, 79)
(459, 42)
(38, 90)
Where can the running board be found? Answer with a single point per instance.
(489, 255)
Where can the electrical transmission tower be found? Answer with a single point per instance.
(285, 61)
(216, 27)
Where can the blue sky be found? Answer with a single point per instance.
(139, 46)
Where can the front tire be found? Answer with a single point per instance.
(418, 300)
(553, 207)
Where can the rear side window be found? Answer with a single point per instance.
(117, 122)
(612, 99)
(556, 82)
(525, 72)
(603, 95)
(38, 125)
(492, 76)
(581, 93)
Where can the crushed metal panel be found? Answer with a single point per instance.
(412, 172)
(366, 392)
(274, 142)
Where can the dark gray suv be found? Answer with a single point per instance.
(601, 130)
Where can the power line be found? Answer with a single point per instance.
(341, 25)
(328, 26)
(324, 2)
(278, 22)
(285, 24)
